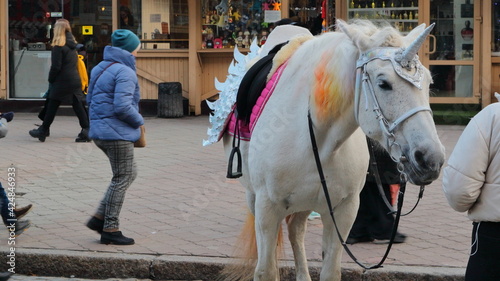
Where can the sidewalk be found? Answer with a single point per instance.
(182, 211)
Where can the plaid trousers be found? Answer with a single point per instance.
(123, 166)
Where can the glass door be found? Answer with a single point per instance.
(452, 51)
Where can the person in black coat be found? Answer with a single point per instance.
(374, 220)
(64, 83)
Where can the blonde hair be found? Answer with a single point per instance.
(60, 28)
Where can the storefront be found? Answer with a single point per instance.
(192, 41)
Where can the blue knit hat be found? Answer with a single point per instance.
(125, 39)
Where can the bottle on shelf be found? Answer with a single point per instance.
(467, 32)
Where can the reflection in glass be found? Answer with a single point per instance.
(451, 80)
(30, 28)
(161, 24)
(402, 14)
(454, 31)
(495, 30)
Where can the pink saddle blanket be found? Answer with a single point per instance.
(245, 130)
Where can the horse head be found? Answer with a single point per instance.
(391, 102)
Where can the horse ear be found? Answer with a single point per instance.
(357, 37)
(412, 36)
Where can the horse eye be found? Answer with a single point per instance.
(384, 85)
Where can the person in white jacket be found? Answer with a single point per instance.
(471, 182)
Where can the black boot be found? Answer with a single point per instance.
(95, 224)
(41, 133)
(4, 276)
(116, 238)
(83, 136)
(48, 130)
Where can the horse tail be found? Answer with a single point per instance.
(246, 252)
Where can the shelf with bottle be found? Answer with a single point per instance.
(372, 4)
(383, 9)
(385, 14)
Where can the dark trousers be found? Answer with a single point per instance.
(4, 206)
(484, 262)
(51, 106)
(374, 219)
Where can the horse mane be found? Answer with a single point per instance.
(382, 35)
(334, 74)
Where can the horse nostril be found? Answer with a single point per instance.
(419, 158)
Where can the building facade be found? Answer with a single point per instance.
(192, 41)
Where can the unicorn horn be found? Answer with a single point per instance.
(412, 50)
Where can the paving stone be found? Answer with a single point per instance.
(182, 205)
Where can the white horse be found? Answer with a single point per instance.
(358, 77)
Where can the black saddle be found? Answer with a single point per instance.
(251, 87)
(253, 83)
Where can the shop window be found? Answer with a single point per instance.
(312, 14)
(30, 35)
(161, 24)
(495, 30)
(91, 22)
(227, 23)
(402, 14)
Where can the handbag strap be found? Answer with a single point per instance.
(98, 76)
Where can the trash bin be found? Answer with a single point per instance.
(170, 100)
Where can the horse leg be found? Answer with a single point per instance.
(267, 223)
(344, 214)
(250, 197)
(296, 232)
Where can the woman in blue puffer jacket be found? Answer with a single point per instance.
(113, 100)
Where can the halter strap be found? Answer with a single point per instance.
(363, 85)
(407, 115)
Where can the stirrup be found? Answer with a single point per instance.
(230, 173)
(235, 150)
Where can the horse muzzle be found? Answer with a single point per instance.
(423, 165)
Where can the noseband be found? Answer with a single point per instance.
(411, 71)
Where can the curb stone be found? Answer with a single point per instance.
(164, 267)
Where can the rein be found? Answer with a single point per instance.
(401, 195)
(376, 175)
(387, 128)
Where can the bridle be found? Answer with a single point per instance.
(364, 85)
(403, 65)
